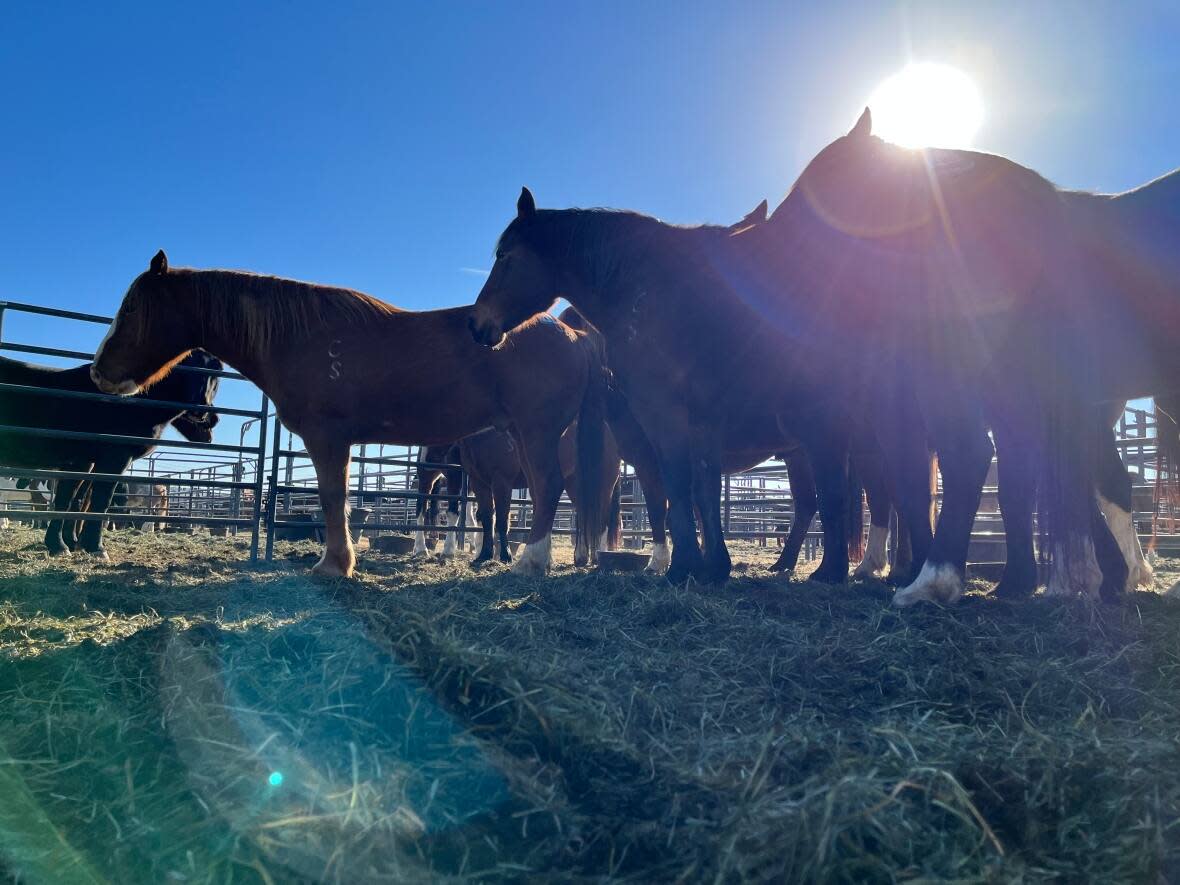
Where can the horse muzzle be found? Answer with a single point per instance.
(485, 333)
(122, 388)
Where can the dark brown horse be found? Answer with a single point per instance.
(691, 348)
(432, 472)
(343, 367)
(993, 299)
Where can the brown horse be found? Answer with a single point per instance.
(746, 447)
(343, 367)
(493, 464)
(994, 299)
(691, 348)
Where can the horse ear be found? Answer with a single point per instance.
(159, 263)
(864, 126)
(526, 206)
(758, 215)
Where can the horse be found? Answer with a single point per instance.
(343, 367)
(992, 299)
(431, 471)
(493, 465)
(692, 353)
(183, 395)
(33, 492)
(144, 498)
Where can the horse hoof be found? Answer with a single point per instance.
(328, 569)
(99, 554)
(1014, 589)
(505, 558)
(480, 560)
(677, 576)
(828, 576)
(938, 583)
(59, 551)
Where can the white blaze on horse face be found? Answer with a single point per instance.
(535, 558)
(876, 559)
(661, 558)
(126, 387)
(1075, 570)
(937, 582)
(1122, 526)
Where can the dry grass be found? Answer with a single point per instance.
(432, 724)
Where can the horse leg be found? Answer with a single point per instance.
(801, 478)
(964, 454)
(1015, 463)
(655, 500)
(503, 496)
(826, 441)
(870, 468)
(450, 545)
(421, 509)
(903, 551)
(63, 497)
(542, 466)
(331, 460)
(706, 494)
(1070, 469)
(101, 493)
(1114, 499)
(901, 439)
(483, 512)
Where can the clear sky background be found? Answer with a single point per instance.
(382, 146)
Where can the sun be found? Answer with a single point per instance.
(927, 105)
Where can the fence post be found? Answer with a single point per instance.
(272, 496)
(262, 410)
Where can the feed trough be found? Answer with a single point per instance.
(621, 561)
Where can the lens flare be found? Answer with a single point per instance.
(927, 105)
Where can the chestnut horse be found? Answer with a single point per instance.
(343, 367)
(492, 461)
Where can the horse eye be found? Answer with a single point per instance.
(501, 254)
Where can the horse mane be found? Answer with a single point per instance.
(256, 310)
(607, 241)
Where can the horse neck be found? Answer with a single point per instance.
(606, 258)
(223, 338)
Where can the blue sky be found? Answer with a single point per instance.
(382, 146)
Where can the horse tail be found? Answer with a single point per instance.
(854, 521)
(614, 519)
(591, 442)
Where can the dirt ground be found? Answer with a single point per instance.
(181, 715)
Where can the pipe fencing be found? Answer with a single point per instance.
(269, 489)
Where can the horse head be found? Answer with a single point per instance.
(149, 335)
(864, 187)
(520, 284)
(198, 388)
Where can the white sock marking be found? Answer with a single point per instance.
(534, 559)
(1122, 526)
(661, 558)
(876, 559)
(935, 583)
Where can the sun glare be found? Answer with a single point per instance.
(927, 105)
